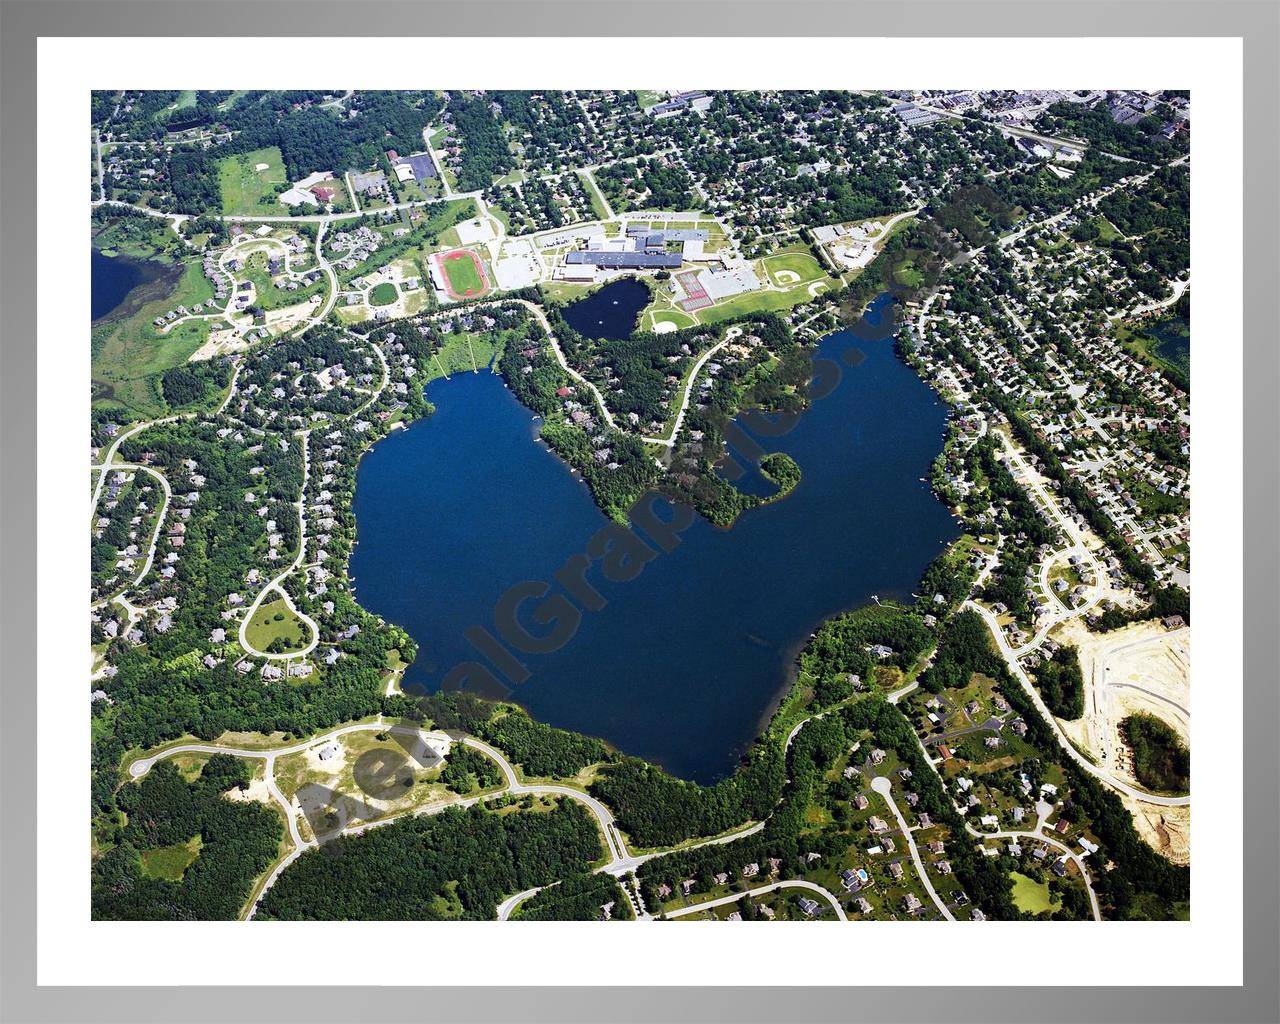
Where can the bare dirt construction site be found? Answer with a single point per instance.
(1141, 668)
(1166, 829)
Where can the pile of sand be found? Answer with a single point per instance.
(1166, 829)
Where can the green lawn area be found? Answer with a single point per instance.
(564, 291)
(671, 316)
(462, 353)
(383, 294)
(1106, 230)
(463, 276)
(245, 188)
(758, 302)
(593, 193)
(231, 100)
(266, 295)
(1029, 896)
(170, 862)
(906, 274)
(649, 98)
(276, 621)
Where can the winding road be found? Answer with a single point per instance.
(1011, 658)
(276, 584)
(794, 883)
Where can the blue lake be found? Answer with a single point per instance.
(684, 662)
(610, 312)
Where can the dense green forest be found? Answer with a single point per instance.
(1061, 684)
(1160, 760)
(455, 864)
(577, 898)
(467, 770)
(485, 154)
(1136, 141)
(236, 843)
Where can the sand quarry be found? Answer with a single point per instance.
(1141, 668)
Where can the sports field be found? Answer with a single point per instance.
(464, 273)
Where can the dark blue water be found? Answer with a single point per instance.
(1173, 343)
(113, 278)
(611, 312)
(683, 662)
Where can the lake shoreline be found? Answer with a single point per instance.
(668, 671)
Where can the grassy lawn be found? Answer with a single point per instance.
(593, 193)
(170, 862)
(246, 189)
(276, 621)
(383, 294)
(759, 302)
(1029, 896)
(671, 316)
(564, 291)
(230, 101)
(464, 276)
(649, 98)
(1106, 230)
(462, 353)
(906, 274)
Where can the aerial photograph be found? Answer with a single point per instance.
(658, 505)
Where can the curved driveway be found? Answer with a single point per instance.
(882, 786)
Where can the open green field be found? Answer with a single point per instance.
(276, 621)
(462, 353)
(247, 190)
(649, 98)
(1029, 896)
(562, 292)
(906, 274)
(171, 862)
(383, 294)
(464, 277)
(760, 302)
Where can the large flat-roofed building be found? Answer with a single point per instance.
(915, 117)
(698, 99)
(647, 237)
(587, 233)
(624, 260)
